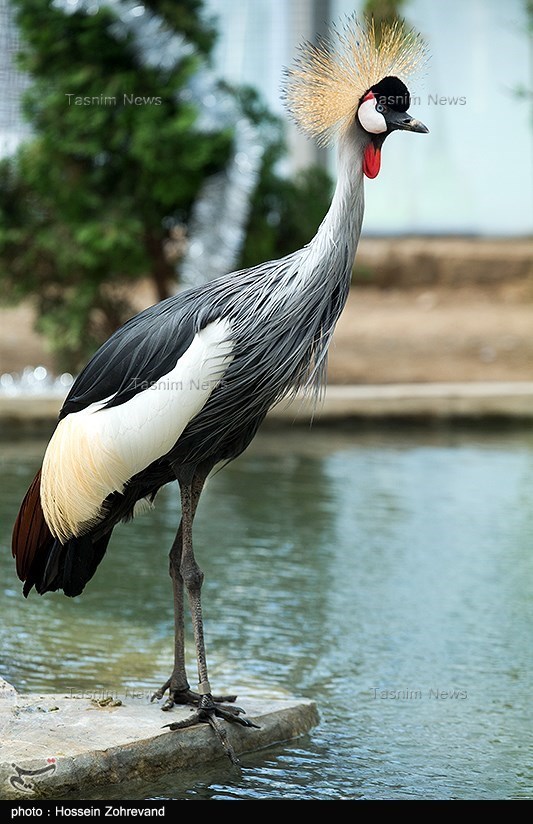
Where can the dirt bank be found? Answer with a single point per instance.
(458, 311)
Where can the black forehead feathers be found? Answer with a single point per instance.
(392, 93)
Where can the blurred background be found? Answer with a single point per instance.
(145, 148)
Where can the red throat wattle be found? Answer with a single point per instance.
(371, 161)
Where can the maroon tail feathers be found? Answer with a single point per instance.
(32, 540)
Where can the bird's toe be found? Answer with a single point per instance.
(158, 694)
(232, 715)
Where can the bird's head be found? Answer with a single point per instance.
(383, 109)
(353, 82)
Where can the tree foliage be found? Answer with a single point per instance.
(384, 12)
(116, 150)
(116, 157)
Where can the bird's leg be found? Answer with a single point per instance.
(179, 691)
(177, 685)
(208, 709)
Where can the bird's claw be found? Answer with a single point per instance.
(207, 709)
(158, 694)
(231, 714)
(209, 714)
(186, 696)
(204, 715)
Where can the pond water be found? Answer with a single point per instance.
(385, 575)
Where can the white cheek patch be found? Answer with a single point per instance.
(371, 120)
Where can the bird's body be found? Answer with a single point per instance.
(188, 382)
(184, 386)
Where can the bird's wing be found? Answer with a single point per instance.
(149, 385)
(140, 352)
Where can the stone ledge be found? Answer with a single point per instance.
(417, 401)
(421, 401)
(53, 745)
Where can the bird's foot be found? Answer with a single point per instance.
(208, 712)
(184, 695)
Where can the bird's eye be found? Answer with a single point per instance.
(381, 108)
(370, 116)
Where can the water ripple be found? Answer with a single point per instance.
(385, 577)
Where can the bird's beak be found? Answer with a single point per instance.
(404, 121)
(394, 120)
(415, 126)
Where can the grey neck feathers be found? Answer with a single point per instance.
(335, 242)
(325, 264)
(282, 315)
(297, 300)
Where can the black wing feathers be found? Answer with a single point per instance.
(136, 355)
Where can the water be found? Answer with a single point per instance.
(34, 380)
(386, 576)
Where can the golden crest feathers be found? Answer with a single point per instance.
(323, 88)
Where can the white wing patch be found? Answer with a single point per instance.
(94, 452)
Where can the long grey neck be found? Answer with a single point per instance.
(325, 266)
(283, 313)
(335, 243)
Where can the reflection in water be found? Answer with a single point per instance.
(384, 575)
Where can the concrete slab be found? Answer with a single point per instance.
(419, 401)
(52, 745)
(415, 401)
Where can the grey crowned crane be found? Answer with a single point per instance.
(185, 384)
